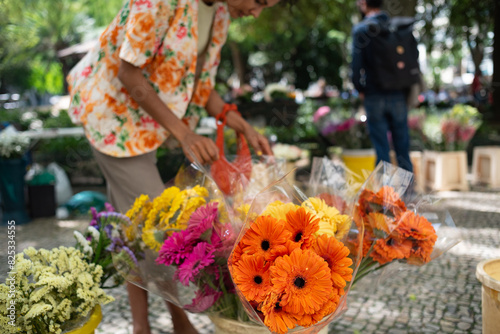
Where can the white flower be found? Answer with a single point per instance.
(80, 239)
(95, 233)
(287, 152)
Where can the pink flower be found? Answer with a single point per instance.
(466, 133)
(322, 111)
(86, 71)
(202, 220)
(203, 300)
(201, 257)
(182, 32)
(175, 249)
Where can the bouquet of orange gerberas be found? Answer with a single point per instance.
(290, 265)
(395, 229)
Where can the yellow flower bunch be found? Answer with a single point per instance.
(137, 214)
(170, 212)
(331, 222)
(49, 290)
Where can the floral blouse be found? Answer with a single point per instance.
(160, 37)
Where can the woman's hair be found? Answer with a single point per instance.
(374, 3)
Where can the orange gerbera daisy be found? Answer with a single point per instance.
(267, 236)
(421, 252)
(335, 254)
(385, 201)
(415, 227)
(302, 225)
(275, 317)
(236, 255)
(381, 224)
(251, 275)
(389, 249)
(304, 280)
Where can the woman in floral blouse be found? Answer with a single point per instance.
(149, 77)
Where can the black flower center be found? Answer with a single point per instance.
(257, 279)
(299, 282)
(390, 242)
(298, 237)
(277, 307)
(414, 230)
(265, 245)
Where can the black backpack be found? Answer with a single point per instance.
(394, 53)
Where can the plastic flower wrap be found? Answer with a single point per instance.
(398, 230)
(291, 266)
(177, 244)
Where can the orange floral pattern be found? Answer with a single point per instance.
(160, 37)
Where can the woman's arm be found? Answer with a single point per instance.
(235, 121)
(142, 92)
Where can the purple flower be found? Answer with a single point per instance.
(108, 229)
(201, 257)
(108, 207)
(176, 248)
(203, 300)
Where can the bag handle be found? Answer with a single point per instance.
(221, 120)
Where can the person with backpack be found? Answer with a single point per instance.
(384, 67)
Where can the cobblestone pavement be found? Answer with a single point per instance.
(443, 296)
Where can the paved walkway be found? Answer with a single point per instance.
(443, 296)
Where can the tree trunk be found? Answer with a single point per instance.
(400, 7)
(495, 84)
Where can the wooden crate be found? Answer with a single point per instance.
(445, 170)
(486, 165)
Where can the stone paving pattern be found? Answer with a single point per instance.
(443, 296)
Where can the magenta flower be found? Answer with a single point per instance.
(203, 300)
(202, 220)
(176, 249)
(201, 257)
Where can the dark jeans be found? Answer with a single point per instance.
(389, 112)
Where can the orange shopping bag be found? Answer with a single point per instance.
(231, 176)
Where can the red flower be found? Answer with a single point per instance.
(182, 32)
(86, 71)
(110, 139)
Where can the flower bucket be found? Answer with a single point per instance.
(360, 163)
(91, 324)
(228, 326)
(488, 273)
(12, 173)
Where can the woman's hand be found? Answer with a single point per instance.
(259, 142)
(204, 149)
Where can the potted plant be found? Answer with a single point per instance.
(348, 134)
(446, 138)
(13, 146)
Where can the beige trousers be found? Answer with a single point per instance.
(128, 178)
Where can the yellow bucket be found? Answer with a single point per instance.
(488, 273)
(90, 326)
(360, 163)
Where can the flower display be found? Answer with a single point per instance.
(342, 128)
(101, 240)
(288, 152)
(290, 265)
(392, 230)
(199, 254)
(13, 144)
(52, 291)
(452, 130)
